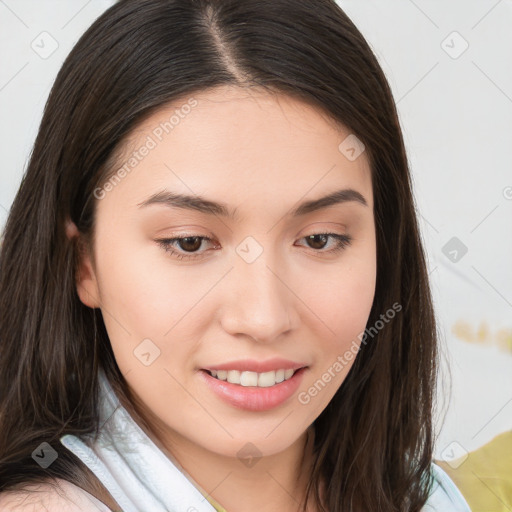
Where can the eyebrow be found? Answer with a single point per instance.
(198, 203)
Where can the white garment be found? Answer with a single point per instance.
(142, 478)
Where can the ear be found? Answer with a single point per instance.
(86, 281)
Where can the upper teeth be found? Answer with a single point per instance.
(262, 380)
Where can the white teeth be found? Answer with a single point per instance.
(262, 380)
(233, 376)
(249, 379)
(267, 379)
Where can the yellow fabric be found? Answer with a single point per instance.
(485, 477)
(215, 505)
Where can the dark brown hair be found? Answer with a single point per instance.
(374, 440)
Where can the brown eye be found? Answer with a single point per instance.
(188, 247)
(319, 241)
(179, 247)
(190, 243)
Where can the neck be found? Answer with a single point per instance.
(270, 484)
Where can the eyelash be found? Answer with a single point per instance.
(342, 242)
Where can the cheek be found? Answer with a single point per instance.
(143, 297)
(138, 286)
(341, 314)
(341, 297)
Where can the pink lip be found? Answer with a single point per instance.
(253, 398)
(251, 365)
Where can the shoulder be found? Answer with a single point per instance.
(61, 496)
(444, 494)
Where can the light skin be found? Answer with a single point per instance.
(299, 299)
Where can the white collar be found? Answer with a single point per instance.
(142, 478)
(138, 475)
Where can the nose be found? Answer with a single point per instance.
(257, 301)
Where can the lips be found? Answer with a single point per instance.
(253, 398)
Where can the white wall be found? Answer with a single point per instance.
(456, 111)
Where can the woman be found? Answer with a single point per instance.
(172, 343)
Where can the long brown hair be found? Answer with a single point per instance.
(374, 440)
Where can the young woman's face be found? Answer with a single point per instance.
(253, 286)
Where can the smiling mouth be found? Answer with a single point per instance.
(246, 378)
(254, 391)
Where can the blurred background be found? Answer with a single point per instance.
(449, 66)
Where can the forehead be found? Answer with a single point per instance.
(248, 143)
